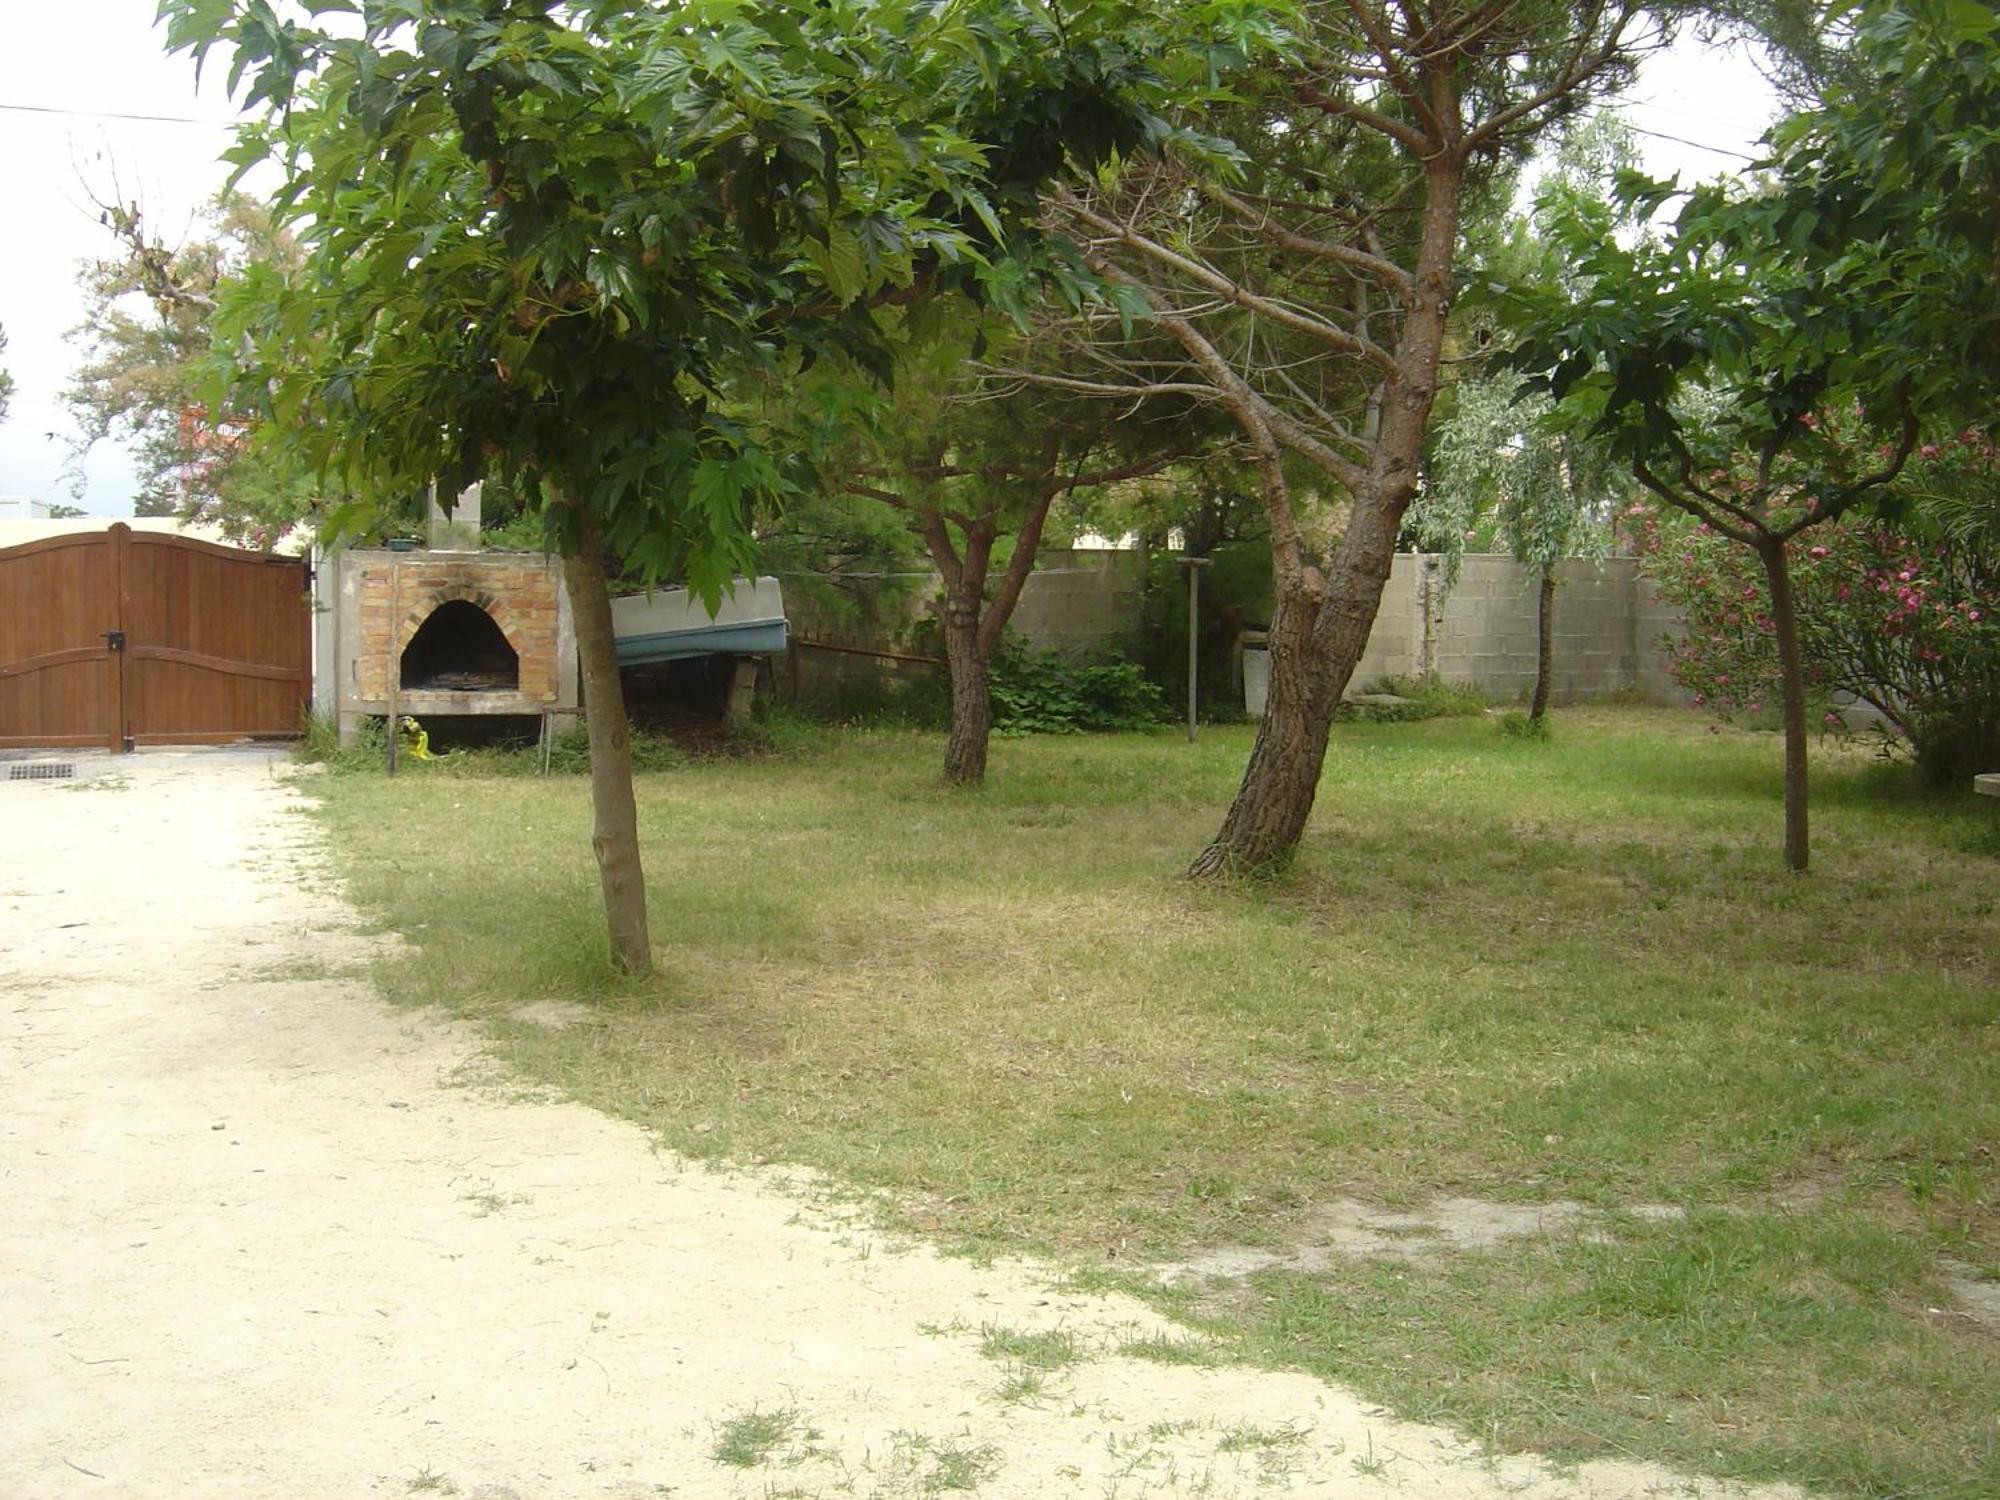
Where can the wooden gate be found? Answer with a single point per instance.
(123, 638)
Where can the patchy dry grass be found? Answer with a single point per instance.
(1505, 969)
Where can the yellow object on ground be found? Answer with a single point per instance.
(416, 740)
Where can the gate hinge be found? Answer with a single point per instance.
(115, 639)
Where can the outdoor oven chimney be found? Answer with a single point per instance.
(458, 531)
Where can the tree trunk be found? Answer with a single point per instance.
(615, 832)
(1545, 645)
(1269, 815)
(971, 697)
(1792, 676)
(1322, 626)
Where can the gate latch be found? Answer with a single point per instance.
(115, 639)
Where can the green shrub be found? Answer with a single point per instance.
(1044, 692)
(1426, 697)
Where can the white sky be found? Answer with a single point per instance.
(95, 59)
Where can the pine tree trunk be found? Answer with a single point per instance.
(1545, 645)
(1275, 799)
(971, 697)
(1792, 676)
(1322, 626)
(615, 832)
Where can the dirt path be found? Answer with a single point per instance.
(259, 1238)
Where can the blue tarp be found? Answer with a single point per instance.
(744, 638)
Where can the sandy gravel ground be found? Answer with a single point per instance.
(260, 1236)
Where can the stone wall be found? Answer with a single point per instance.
(1480, 631)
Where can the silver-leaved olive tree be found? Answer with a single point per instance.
(542, 239)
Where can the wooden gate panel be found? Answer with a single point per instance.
(59, 678)
(218, 642)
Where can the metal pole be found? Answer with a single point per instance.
(1194, 566)
(395, 683)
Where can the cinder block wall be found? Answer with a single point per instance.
(1609, 624)
(1089, 603)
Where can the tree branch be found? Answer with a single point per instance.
(1222, 286)
(1388, 273)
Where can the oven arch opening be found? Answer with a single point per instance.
(460, 649)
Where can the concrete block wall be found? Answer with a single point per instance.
(1089, 603)
(1481, 631)
(1397, 645)
(1487, 628)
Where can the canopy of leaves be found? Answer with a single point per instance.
(541, 237)
(1860, 278)
(147, 337)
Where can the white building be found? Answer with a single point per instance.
(21, 508)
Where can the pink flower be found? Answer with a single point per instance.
(1756, 705)
(1832, 719)
(1820, 552)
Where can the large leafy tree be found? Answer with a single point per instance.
(1309, 297)
(542, 238)
(974, 467)
(147, 337)
(1816, 324)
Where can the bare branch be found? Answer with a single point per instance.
(1305, 323)
(1387, 272)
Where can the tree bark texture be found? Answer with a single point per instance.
(1792, 677)
(971, 695)
(1322, 625)
(615, 813)
(1274, 800)
(1545, 645)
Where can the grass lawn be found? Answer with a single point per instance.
(1569, 973)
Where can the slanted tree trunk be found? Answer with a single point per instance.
(615, 814)
(1792, 678)
(1269, 814)
(1318, 655)
(1545, 645)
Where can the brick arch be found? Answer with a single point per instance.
(497, 610)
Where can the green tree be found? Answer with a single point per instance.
(975, 468)
(1498, 454)
(1821, 320)
(6, 380)
(542, 238)
(1549, 492)
(1309, 299)
(147, 338)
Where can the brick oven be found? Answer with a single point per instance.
(442, 632)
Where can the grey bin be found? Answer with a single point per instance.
(1255, 646)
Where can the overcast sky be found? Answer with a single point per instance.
(69, 71)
